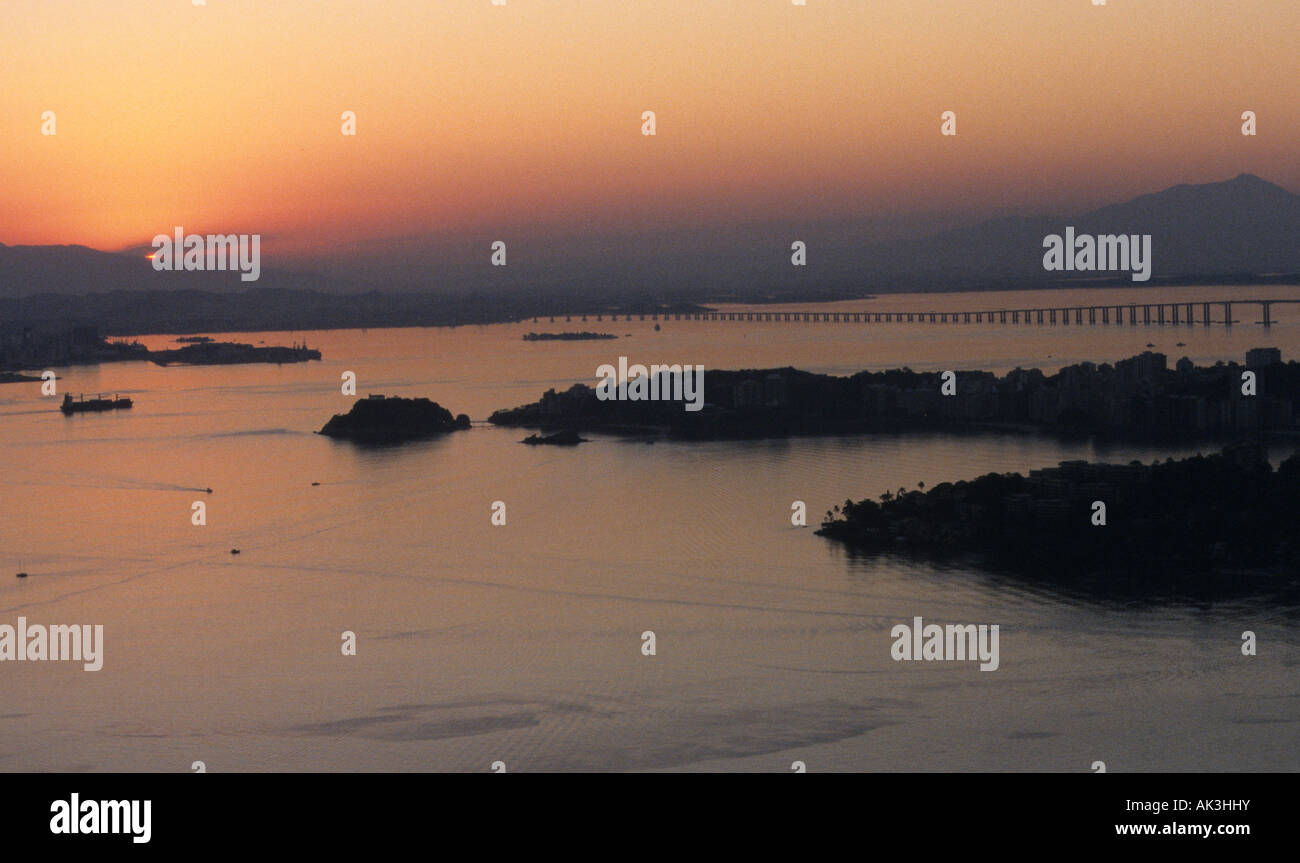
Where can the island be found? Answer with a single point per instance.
(378, 419)
(82, 345)
(566, 337)
(1220, 523)
(562, 438)
(211, 353)
(1139, 398)
(17, 378)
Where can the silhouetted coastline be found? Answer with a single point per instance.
(1136, 399)
(210, 353)
(17, 378)
(1220, 525)
(32, 349)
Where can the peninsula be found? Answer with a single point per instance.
(1139, 398)
(1220, 523)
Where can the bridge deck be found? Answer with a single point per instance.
(1203, 312)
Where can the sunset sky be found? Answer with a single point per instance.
(475, 117)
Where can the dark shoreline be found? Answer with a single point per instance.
(1137, 399)
(1209, 526)
(210, 353)
(195, 353)
(899, 427)
(18, 378)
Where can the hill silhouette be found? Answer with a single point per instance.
(1237, 231)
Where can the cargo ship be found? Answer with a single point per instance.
(71, 406)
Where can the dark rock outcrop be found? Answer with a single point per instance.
(561, 438)
(390, 420)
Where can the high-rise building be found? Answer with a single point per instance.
(1258, 357)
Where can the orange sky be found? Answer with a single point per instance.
(471, 116)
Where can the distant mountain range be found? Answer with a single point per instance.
(76, 270)
(1240, 230)
(1237, 228)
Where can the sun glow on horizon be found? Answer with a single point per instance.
(471, 117)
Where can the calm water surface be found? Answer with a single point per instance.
(522, 643)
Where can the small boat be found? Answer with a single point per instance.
(208, 490)
(315, 483)
(234, 551)
(22, 575)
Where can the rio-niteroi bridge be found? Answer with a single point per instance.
(1205, 313)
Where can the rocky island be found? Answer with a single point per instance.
(561, 438)
(377, 419)
(1218, 524)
